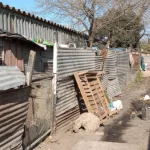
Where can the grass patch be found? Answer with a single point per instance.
(139, 76)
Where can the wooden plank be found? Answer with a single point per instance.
(101, 102)
(20, 62)
(107, 104)
(7, 51)
(93, 97)
(30, 67)
(82, 92)
(92, 102)
(14, 58)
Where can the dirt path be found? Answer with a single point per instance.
(119, 133)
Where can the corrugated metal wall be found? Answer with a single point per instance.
(98, 62)
(70, 61)
(11, 77)
(118, 75)
(123, 69)
(117, 71)
(1, 51)
(32, 28)
(13, 112)
(110, 65)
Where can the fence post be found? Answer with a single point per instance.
(54, 81)
(30, 67)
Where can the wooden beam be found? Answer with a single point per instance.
(30, 67)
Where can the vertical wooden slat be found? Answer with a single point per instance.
(7, 51)
(20, 62)
(82, 92)
(13, 53)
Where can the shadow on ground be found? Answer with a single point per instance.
(114, 132)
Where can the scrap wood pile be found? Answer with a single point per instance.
(93, 94)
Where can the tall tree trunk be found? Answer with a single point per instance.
(91, 36)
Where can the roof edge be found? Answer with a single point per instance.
(39, 18)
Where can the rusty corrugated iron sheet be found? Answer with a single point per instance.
(67, 106)
(13, 113)
(11, 77)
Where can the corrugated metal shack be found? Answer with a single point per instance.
(33, 27)
(15, 52)
(13, 107)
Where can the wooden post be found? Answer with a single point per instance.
(54, 81)
(30, 67)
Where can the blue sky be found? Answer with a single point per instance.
(26, 5)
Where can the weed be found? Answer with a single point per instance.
(139, 76)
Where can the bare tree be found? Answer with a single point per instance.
(87, 12)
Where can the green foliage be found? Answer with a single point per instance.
(123, 31)
(139, 76)
(146, 48)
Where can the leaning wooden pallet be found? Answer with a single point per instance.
(93, 94)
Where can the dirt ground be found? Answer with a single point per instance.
(119, 133)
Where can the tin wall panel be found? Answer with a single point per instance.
(123, 69)
(117, 70)
(98, 62)
(11, 77)
(113, 88)
(70, 61)
(13, 108)
(110, 65)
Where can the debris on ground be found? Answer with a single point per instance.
(88, 121)
(146, 97)
(116, 105)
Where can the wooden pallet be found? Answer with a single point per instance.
(93, 94)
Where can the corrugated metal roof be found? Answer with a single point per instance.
(38, 18)
(4, 33)
(10, 77)
(7, 34)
